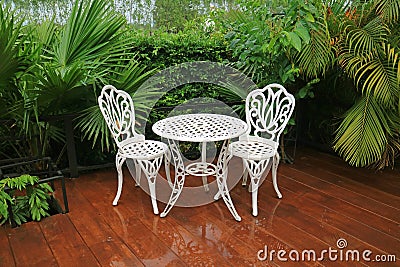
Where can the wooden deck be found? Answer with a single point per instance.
(324, 200)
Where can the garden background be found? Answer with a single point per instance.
(340, 58)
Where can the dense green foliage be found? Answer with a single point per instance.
(159, 49)
(264, 39)
(340, 58)
(26, 198)
(60, 70)
(305, 41)
(361, 39)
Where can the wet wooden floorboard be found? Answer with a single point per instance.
(323, 200)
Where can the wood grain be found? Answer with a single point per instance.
(323, 200)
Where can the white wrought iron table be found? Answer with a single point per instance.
(202, 128)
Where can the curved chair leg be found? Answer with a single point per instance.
(275, 164)
(151, 168)
(138, 173)
(254, 196)
(152, 187)
(118, 162)
(256, 169)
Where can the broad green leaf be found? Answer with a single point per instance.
(294, 40)
(309, 17)
(302, 31)
(272, 44)
(303, 92)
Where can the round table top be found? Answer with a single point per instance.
(200, 127)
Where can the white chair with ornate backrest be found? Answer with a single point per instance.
(268, 111)
(118, 111)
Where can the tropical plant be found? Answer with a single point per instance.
(14, 47)
(9, 46)
(55, 70)
(25, 198)
(363, 38)
(264, 36)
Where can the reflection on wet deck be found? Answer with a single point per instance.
(324, 200)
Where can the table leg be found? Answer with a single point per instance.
(179, 176)
(222, 175)
(204, 159)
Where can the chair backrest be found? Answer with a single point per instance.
(119, 113)
(268, 110)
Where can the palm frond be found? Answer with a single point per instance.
(92, 31)
(362, 136)
(367, 39)
(61, 91)
(132, 76)
(93, 126)
(45, 32)
(394, 37)
(375, 74)
(388, 10)
(9, 45)
(316, 56)
(392, 150)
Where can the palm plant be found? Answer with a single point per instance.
(93, 51)
(64, 69)
(357, 35)
(9, 46)
(14, 65)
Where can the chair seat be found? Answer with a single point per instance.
(252, 150)
(143, 150)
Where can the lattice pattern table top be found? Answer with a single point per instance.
(201, 127)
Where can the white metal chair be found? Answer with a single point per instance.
(118, 111)
(268, 111)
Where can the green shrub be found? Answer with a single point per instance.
(25, 198)
(160, 49)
